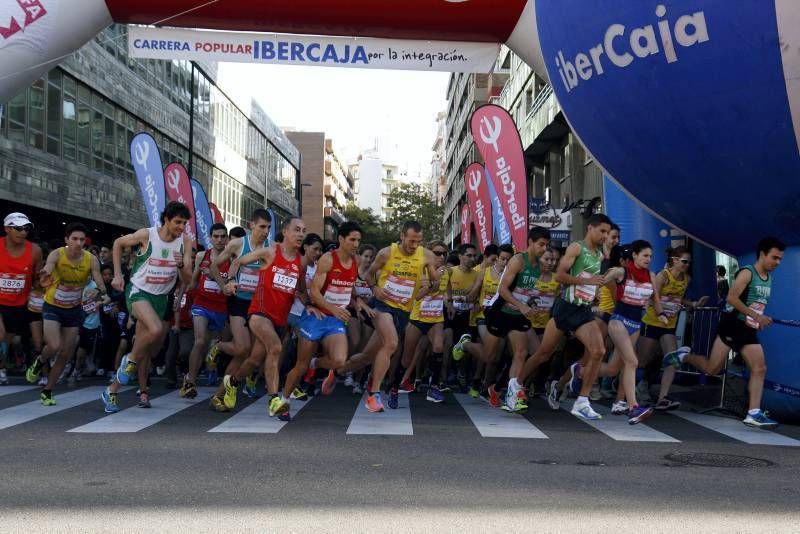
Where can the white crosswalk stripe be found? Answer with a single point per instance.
(30, 411)
(255, 420)
(494, 423)
(617, 428)
(390, 422)
(734, 428)
(135, 419)
(11, 390)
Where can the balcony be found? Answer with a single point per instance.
(334, 215)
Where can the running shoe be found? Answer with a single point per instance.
(278, 406)
(407, 387)
(212, 378)
(458, 348)
(109, 401)
(144, 400)
(394, 398)
(32, 373)
(495, 401)
(217, 405)
(231, 392)
(575, 379)
(249, 387)
(211, 357)
(348, 380)
(298, 394)
(434, 395)
(584, 411)
(510, 401)
(126, 371)
(620, 407)
(310, 388)
(519, 406)
(760, 420)
(42, 380)
(462, 382)
(309, 376)
(64, 373)
(3, 377)
(357, 389)
(329, 384)
(666, 404)
(188, 390)
(47, 398)
(639, 414)
(552, 395)
(444, 388)
(285, 416)
(373, 403)
(675, 358)
(474, 393)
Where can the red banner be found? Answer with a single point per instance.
(218, 218)
(480, 203)
(465, 225)
(499, 143)
(176, 183)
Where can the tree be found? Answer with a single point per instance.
(414, 202)
(375, 231)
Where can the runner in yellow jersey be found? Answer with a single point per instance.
(459, 309)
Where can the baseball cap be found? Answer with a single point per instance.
(16, 219)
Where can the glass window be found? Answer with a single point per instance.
(37, 92)
(70, 124)
(53, 119)
(97, 134)
(54, 77)
(109, 151)
(69, 86)
(84, 122)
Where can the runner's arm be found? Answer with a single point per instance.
(739, 284)
(47, 270)
(185, 266)
(265, 255)
(38, 261)
(227, 253)
(196, 272)
(566, 263)
(430, 263)
(475, 290)
(512, 270)
(97, 276)
(139, 237)
(693, 304)
(657, 298)
(371, 277)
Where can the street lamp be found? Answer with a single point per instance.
(300, 200)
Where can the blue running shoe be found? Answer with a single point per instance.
(434, 395)
(249, 387)
(760, 420)
(675, 358)
(126, 371)
(393, 398)
(585, 412)
(109, 401)
(639, 414)
(575, 381)
(212, 378)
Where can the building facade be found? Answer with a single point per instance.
(375, 179)
(64, 141)
(438, 177)
(327, 184)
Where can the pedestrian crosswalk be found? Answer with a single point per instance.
(20, 405)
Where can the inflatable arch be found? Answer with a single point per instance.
(693, 106)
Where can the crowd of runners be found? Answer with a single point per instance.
(587, 321)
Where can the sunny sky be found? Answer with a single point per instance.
(352, 106)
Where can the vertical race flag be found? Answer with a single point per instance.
(218, 218)
(273, 226)
(480, 203)
(501, 230)
(499, 143)
(146, 162)
(465, 225)
(202, 214)
(178, 188)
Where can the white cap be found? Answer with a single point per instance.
(17, 219)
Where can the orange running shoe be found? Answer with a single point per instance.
(373, 403)
(329, 384)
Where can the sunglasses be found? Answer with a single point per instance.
(683, 261)
(26, 228)
(439, 252)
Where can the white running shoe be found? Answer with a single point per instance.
(619, 408)
(357, 389)
(552, 395)
(42, 381)
(584, 411)
(348, 381)
(3, 377)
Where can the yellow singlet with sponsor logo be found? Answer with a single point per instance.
(487, 296)
(69, 279)
(400, 276)
(544, 298)
(430, 308)
(671, 296)
(460, 284)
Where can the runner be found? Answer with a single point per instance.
(324, 320)
(279, 278)
(359, 329)
(209, 310)
(545, 294)
(239, 286)
(19, 260)
(64, 277)
(459, 309)
(739, 326)
(164, 256)
(579, 273)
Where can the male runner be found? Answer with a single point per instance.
(324, 321)
(579, 273)
(459, 306)
(19, 259)
(164, 255)
(738, 329)
(209, 310)
(239, 287)
(279, 279)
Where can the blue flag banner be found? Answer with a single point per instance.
(146, 161)
(501, 230)
(202, 213)
(273, 226)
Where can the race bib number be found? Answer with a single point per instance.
(399, 290)
(431, 307)
(90, 306)
(460, 304)
(12, 284)
(338, 295)
(637, 294)
(108, 308)
(759, 308)
(211, 286)
(584, 292)
(363, 291)
(67, 296)
(545, 303)
(160, 272)
(522, 295)
(35, 303)
(183, 301)
(285, 281)
(248, 279)
(671, 306)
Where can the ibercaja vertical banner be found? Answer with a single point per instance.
(176, 182)
(218, 218)
(273, 226)
(499, 143)
(480, 203)
(146, 162)
(465, 225)
(202, 214)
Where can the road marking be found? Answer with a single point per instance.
(29, 411)
(734, 428)
(135, 419)
(496, 423)
(10, 390)
(617, 428)
(389, 422)
(255, 419)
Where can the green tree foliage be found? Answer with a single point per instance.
(375, 231)
(414, 202)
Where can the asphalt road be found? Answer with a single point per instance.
(77, 470)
